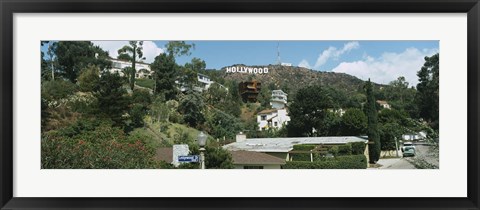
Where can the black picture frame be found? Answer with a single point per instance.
(10, 7)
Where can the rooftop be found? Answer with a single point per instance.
(286, 144)
(247, 157)
(165, 154)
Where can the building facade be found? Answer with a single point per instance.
(142, 70)
(272, 118)
(249, 90)
(278, 99)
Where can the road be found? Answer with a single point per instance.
(426, 157)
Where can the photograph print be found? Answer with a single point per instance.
(191, 104)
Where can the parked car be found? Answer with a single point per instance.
(407, 144)
(409, 151)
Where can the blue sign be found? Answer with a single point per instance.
(188, 159)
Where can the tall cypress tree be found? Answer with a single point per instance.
(372, 130)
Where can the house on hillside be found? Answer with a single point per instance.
(249, 90)
(278, 99)
(272, 118)
(142, 70)
(383, 104)
(203, 84)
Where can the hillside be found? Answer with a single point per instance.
(291, 78)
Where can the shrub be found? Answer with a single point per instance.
(345, 149)
(102, 147)
(303, 147)
(333, 150)
(57, 89)
(341, 162)
(358, 148)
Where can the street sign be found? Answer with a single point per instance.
(188, 159)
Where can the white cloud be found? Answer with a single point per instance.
(150, 49)
(389, 66)
(333, 52)
(304, 63)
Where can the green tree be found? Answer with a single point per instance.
(192, 107)
(179, 48)
(132, 53)
(389, 133)
(112, 99)
(264, 98)
(427, 97)
(73, 56)
(372, 128)
(308, 111)
(89, 79)
(215, 158)
(221, 125)
(354, 123)
(164, 68)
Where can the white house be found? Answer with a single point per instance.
(204, 81)
(279, 99)
(272, 118)
(384, 104)
(142, 69)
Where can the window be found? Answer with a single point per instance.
(264, 117)
(276, 124)
(252, 167)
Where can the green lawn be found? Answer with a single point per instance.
(147, 83)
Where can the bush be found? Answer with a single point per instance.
(57, 89)
(333, 150)
(341, 162)
(303, 147)
(102, 147)
(302, 156)
(345, 149)
(358, 148)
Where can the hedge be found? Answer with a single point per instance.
(303, 147)
(358, 148)
(340, 162)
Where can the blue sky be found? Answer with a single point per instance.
(382, 61)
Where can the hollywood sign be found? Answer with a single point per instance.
(246, 69)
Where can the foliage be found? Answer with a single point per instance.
(354, 123)
(340, 162)
(73, 56)
(146, 83)
(372, 129)
(308, 111)
(133, 53)
(112, 99)
(179, 48)
(215, 157)
(57, 89)
(345, 149)
(389, 133)
(221, 124)
(89, 78)
(192, 107)
(427, 97)
(358, 148)
(101, 147)
(303, 147)
(164, 68)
